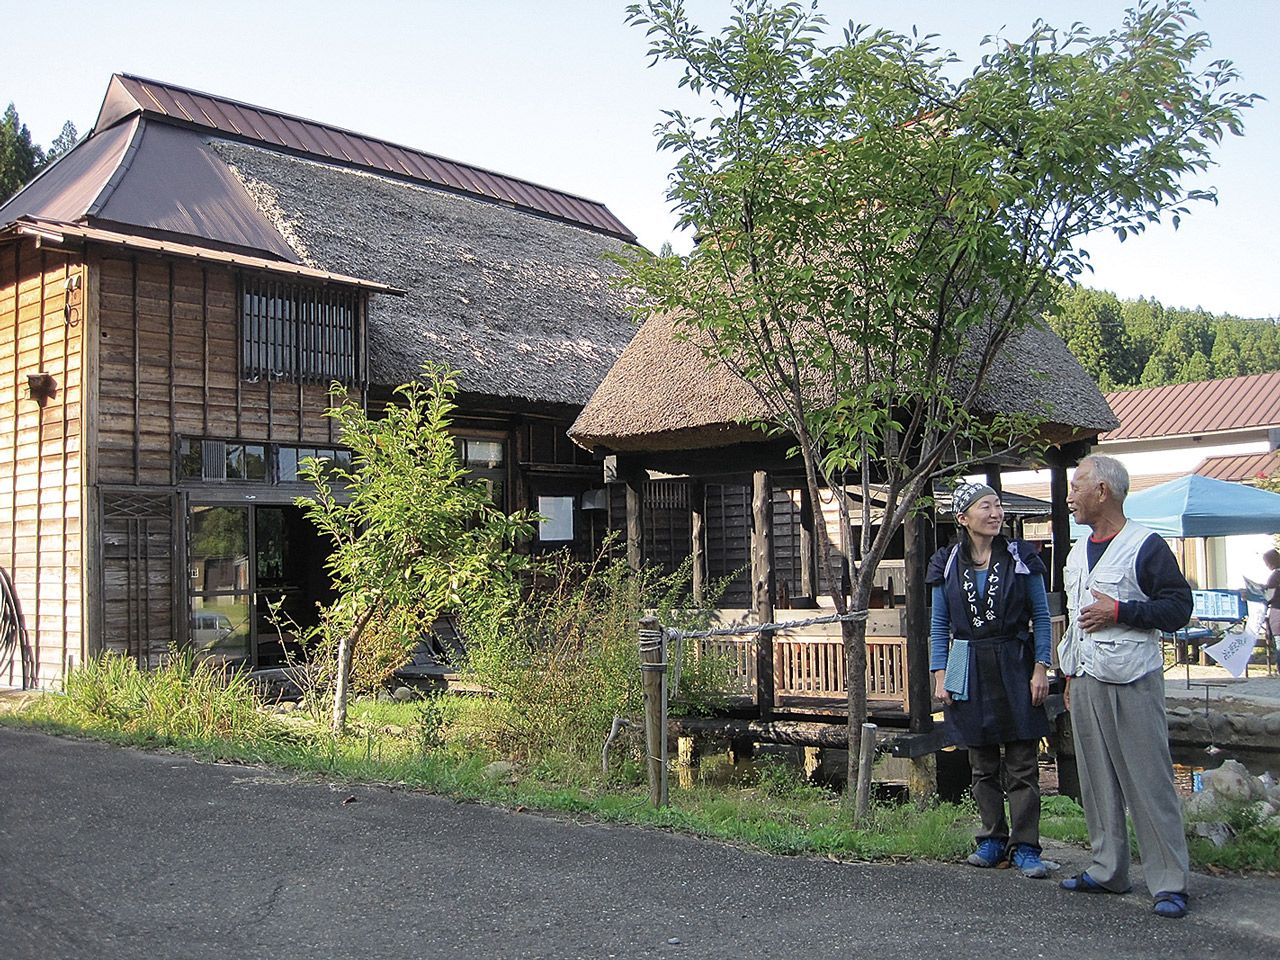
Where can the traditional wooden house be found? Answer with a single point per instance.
(176, 295)
(677, 430)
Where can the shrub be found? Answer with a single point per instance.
(564, 662)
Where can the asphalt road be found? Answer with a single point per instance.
(106, 853)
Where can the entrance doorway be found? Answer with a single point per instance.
(253, 570)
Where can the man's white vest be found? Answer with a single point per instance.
(1118, 653)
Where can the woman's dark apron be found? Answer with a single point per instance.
(1001, 657)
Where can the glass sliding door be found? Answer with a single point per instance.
(219, 583)
(256, 573)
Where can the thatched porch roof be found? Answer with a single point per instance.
(663, 395)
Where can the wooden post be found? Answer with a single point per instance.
(686, 760)
(763, 584)
(915, 618)
(698, 538)
(808, 543)
(1060, 524)
(635, 521)
(866, 757)
(812, 762)
(653, 667)
(993, 478)
(922, 779)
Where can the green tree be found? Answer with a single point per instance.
(63, 142)
(873, 233)
(1091, 325)
(20, 158)
(411, 534)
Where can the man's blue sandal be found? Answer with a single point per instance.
(1171, 904)
(1083, 883)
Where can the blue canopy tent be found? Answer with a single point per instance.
(1195, 506)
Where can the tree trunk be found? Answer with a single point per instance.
(854, 634)
(346, 653)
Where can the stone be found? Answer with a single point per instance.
(1220, 724)
(1181, 712)
(1217, 833)
(402, 694)
(1254, 726)
(1271, 722)
(1264, 810)
(1232, 781)
(1201, 805)
(500, 769)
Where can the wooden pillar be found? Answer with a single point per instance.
(808, 546)
(918, 537)
(763, 584)
(653, 667)
(698, 536)
(812, 762)
(993, 477)
(635, 520)
(1060, 524)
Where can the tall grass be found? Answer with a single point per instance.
(184, 701)
(564, 662)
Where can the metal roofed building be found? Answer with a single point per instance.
(176, 294)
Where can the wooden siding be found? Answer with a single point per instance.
(41, 508)
(170, 366)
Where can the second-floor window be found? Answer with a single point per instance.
(298, 333)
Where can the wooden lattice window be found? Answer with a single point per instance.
(299, 333)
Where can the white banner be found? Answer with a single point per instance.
(1234, 650)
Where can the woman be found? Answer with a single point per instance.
(1271, 593)
(985, 591)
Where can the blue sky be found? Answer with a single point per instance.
(560, 92)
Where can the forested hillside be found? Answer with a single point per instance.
(1140, 343)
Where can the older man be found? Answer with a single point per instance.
(1123, 588)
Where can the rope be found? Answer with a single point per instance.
(675, 634)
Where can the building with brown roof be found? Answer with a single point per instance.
(177, 293)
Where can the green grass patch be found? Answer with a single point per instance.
(437, 744)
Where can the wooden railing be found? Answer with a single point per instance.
(813, 666)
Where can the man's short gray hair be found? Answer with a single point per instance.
(1110, 471)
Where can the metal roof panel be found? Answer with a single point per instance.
(230, 117)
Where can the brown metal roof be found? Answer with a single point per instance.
(129, 94)
(1242, 468)
(1196, 409)
(59, 234)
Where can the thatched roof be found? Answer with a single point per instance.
(506, 280)
(662, 395)
(521, 305)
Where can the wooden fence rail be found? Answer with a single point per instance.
(813, 666)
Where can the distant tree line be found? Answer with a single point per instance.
(20, 157)
(1141, 343)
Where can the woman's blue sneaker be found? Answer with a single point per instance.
(990, 852)
(1027, 859)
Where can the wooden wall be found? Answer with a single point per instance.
(41, 508)
(168, 353)
(170, 365)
